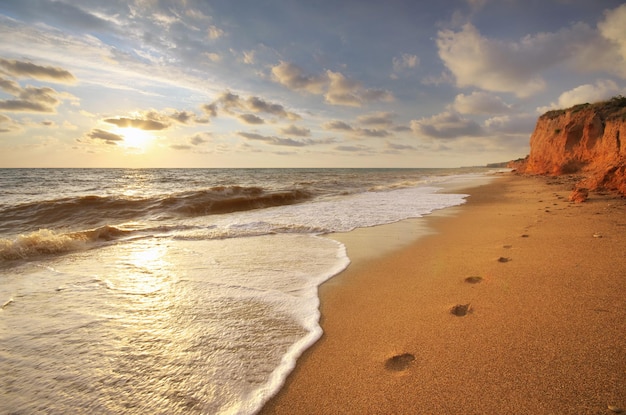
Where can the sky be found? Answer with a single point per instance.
(287, 83)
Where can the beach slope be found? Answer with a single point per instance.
(515, 303)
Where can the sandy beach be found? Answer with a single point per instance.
(538, 289)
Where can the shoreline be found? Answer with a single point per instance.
(544, 329)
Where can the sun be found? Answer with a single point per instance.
(136, 138)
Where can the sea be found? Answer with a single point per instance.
(179, 291)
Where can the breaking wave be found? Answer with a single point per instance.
(48, 242)
(92, 211)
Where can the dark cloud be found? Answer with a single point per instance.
(10, 86)
(336, 88)
(251, 119)
(256, 104)
(367, 132)
(18, 105)
(106, 136)
(143, 124)
(277, 141)
(297, 131)
(384, 119)
(337, 125)
(446, 125)
(180, 147)
(230, 102)
(393, 146)
(23, 69)
(197, 139)
(210, 109)
(351, 149)
(182, 116)
(29, 99)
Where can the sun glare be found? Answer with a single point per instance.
(136, 138)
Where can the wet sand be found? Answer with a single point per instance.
(513, 303)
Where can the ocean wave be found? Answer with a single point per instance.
(92, 210)
(48, 242)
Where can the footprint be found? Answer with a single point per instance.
(504, 259)
(399, 362)
(473, 279)
(461, 310)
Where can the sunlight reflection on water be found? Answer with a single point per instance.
(155, 325)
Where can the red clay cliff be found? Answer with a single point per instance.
(584, 140)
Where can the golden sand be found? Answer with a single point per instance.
(515, 304)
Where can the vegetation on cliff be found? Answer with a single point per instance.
(614, 108)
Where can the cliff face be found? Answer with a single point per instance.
(586, 140)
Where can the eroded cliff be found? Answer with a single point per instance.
(587, 139)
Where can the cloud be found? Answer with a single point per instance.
(180, 146)
(334, 86)
(182, 116)
(517, 66)
(7, 124)
(403, 63)
(347, 92)
(602, 90)
(511, 124)
(277, 141)
(59, 14)
(198, 139)
(249, 57)
(215, 32)
(213, 57)
(297, 131)
(141, 123)
(231, 102)
(495, 65)
(380, 119)
(106, 136)
(337, 126)
(367, 132)
(29, 99)
(257, 104)
(10, 86)
(294, 78)
(481, 103)
(613, 28)
(22, 69)
(398, 147)
(447, 125)
(210, 109)
(288, 142)
(352, 149)
(250, 119)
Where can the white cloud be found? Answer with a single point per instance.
(404, 62)
(446, 125)
(602, 90)
(480, 103)
(613, 27)
(517, 66)
(215, 32)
